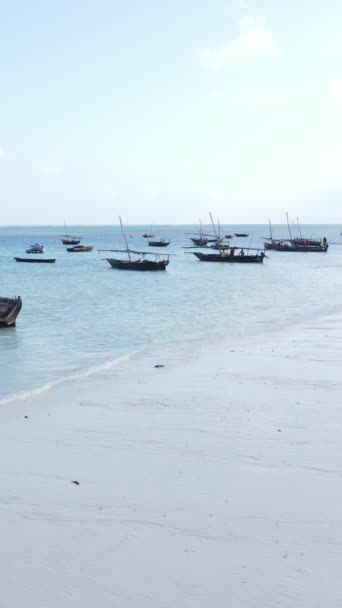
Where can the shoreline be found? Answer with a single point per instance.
(236, 338)
(207, 481)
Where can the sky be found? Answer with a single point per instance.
(161, 111)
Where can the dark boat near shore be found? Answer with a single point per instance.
(161, 243)
(223, 257)
(36, 260)
(241, 234)
(9, 310)
(80, 248)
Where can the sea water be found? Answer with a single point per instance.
(80, 316)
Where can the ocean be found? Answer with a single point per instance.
(82, 317)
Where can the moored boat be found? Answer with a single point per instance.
(299, 244)
(223, 257)
(35, 248)
(36, 260)
(80, 248)
(71, 241)
(9, 310)
(291, 246)
(68, 239)
(141, 263)
(241, 234)
(160, 243)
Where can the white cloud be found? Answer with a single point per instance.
(4, 157)
(252, 41)
(48, 168)
(336, 89)
(233, 7)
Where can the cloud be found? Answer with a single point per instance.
(48, 168)
(336, 89)
(253, 40)
(4, 157)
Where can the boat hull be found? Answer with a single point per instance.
(230, 259)
(158, 243)
(140, 265)
(36, 260)
(9, 310)
(71, 241)
(80, 249)
(297, 248)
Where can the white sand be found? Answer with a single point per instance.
(214, 483)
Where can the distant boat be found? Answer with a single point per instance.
(160, 243)
(229, 236)
(148, 235)
(240, 234)
(201, 240)
(9, 310)
(71, 241)
(68, 239)
(36, 248)
(36, 260)
(140, 264)
(223, 257)
(80, 248)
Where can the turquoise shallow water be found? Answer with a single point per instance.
(80, 313)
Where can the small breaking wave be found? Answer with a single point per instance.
(84, 373)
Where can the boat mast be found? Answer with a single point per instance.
(270, 225)
(214, 227)
(300, 231)
(288, 225)
(201, 230)
(123, 233)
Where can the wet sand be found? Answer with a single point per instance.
(213, 481)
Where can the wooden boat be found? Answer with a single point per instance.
(140, 263)
(36, 260)
(201, 241)
(80, 248)
(161, 243)
(223, 257)
(9, 310)
(241, 234)
(148, 235)
(71, 241)
(290, 246)
(36, 248)
(298, 244)
(68, 239)
(219, 246)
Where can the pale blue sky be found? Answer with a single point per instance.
(160, 111)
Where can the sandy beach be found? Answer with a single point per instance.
(213, 481)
